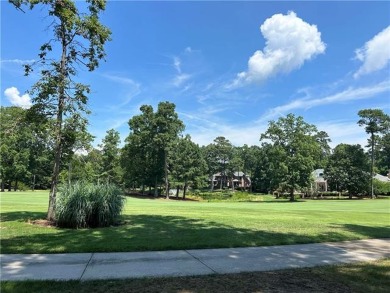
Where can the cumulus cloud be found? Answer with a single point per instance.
(290, 42)
(375, 54)
(13, 95)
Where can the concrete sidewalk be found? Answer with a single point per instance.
(91, 266)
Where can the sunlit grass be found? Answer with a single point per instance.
(158, 224)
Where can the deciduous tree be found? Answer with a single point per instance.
(78, 40)
(348, 169)
(298, 150)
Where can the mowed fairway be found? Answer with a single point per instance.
(150, 224)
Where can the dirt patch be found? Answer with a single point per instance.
(42, 223)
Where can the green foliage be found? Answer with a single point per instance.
(186, 162)
(110, 157)
(348, 169)
(381, 188)
(77, 41)
(227, 195)
(25, 150)
(84, 205)
(376, 122)
(296, 150)
(145, 155)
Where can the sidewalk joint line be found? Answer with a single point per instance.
(198, 259)
(82, 275)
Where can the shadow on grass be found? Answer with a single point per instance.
(382, 232)
(155, 232)
(21, 216)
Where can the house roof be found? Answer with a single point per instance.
(381, 178)
(239, 174)
(318, 173)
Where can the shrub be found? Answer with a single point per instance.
(227, 195)
(84, 205)
(381, 188)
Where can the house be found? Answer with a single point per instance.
(240, 180)
(382, 178)
(320, 183)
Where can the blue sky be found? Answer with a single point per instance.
(229, 67)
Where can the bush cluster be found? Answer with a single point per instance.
(381, 188)
(226, 195)
(82, 205)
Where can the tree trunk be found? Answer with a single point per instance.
(155, 187)
(58, 138)
(372, 165)
(16, 185)
(2, 185)
(9, 186)
(166, 175)
(184, 190)
(232, 183)
(177, 191)
(212, 183)
(33, 185)
(292, 194)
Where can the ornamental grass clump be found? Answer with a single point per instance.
(83, 205)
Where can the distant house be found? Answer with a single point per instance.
(240, 180)
(382, 178)
(320, 183)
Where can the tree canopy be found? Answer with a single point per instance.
(78, 40)
(296, 151)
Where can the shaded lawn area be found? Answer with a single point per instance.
(359, 277)
(156, 224)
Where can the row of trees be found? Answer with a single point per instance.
(157, 155)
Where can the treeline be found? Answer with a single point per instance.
(158, 157)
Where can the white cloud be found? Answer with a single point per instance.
(290, 42)
(180, 79)
(18, 61)
(343, 132)
(132, 89)
(349, 94)
(177, 64)
(121, 79)
(13, 95)
(375, 54)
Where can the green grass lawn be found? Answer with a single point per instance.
(156, 224)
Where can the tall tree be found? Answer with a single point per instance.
(80, 38)
(186, 161)
(147, 146)
(298, 151)
(383, 154)
(348, 169)
(110, 156)
(15, 139)
(224, 154)
(209, 153)
(139, 158)
(375, 122)
(168, 127)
